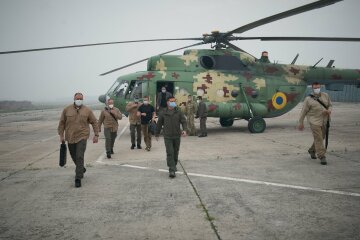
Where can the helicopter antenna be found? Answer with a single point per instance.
(331, 62)
(294, 61)
(317, 63)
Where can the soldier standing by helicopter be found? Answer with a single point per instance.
(202, 114)
(110, 116)
(190, 111)
(317, 108)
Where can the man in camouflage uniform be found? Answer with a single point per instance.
(74, 121)
(190, 111)
(135, 124)
(110, 116)
(202, 114)
(317, 116)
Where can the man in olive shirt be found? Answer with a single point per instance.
(110, 116)
(74, 121)
(135, 124)
(171, 119)
(317, 116)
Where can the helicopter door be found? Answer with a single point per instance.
(168, 85)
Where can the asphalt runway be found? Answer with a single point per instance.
(230, 185)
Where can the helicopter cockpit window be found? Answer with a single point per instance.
(222, 63)
(120, 91)
(135, 90)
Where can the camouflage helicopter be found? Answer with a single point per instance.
(233, 83)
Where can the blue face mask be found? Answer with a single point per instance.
(172, 104)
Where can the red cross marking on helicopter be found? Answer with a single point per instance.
(212, 107)
(271, 70)
(247, 75)
(225, 91)
(294, 70)
(208, 78)
(203, 87)
(175, 75)
(336, 77)
(237, 106)
(148, 76)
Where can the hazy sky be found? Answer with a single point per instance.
(59, 74)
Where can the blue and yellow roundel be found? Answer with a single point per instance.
(279, 100)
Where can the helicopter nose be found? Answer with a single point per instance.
(102, 98)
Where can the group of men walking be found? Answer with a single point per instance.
(76, 118)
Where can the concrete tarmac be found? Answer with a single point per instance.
(230, 185)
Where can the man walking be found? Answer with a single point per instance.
(317, 108)
(110, 116)
(202, 114)
(135, 124)
(171, 119)
(147, 114)
(190, 111)
(74, 121)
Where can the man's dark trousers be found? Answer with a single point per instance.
(172, 152)
(77, 152)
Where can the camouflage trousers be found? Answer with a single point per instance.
(191, 125)
(172, 152)
(109, 139)
(77, 152)
(317, 147)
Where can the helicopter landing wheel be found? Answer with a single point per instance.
(226, 122)
(256, 125)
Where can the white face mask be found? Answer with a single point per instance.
(198, 101)
(146, 102)
(163, 90)
(78, 102)
(316, 90)
(111, 105)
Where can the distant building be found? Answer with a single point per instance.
(350, 94)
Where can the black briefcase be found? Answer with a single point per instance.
(63, 150)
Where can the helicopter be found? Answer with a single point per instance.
(233, 83)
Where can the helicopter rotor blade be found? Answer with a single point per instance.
(142, 60)
(96, 44)
(301, 39)
(289, 13)
(237, 48)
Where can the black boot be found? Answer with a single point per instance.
(139, 147)
(132, 146)
(77, 183)
(108, 155)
